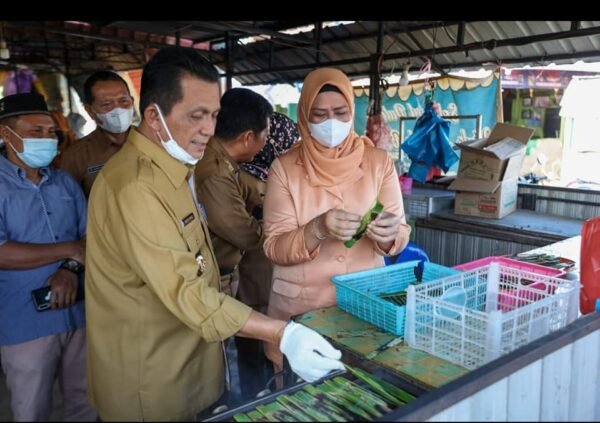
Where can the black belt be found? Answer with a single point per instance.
(224, 271)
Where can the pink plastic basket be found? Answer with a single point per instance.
(505, 261)
(509, 299)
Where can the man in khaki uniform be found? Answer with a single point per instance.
(255, 268)
(240, 133)
(109, 103)
(153, 309)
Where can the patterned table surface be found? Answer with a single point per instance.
(361, 337)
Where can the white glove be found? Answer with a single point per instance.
(309, 354)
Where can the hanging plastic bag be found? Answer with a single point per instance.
(429, 144)
(589, 265)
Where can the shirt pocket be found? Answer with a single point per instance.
(286, 288)
(193, 236)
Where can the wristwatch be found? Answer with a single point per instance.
(72, 265)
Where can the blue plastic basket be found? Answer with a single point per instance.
(357, 293)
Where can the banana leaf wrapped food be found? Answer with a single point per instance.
(368, 217)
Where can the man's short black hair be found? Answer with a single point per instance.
(103, 75)
(242, 110)
(161, 77)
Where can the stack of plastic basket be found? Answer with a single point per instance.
(359, 293)
(478, 315)
(507, 302)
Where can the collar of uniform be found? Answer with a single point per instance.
(216, 144)
(176, 171)
(107, 137)
(14, 170)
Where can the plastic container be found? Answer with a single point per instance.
(589, 269)
(511, 298)
(463, 319)
(405, 184)
(358, 293)
(411, 252)
(528, 267)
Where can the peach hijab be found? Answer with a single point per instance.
(327, 167)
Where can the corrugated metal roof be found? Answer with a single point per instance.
(121, 45)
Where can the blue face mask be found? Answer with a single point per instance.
(37, 152)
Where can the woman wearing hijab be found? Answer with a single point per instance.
(316, 196)
(255, 269)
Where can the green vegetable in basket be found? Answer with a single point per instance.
(366, 219)
(398, 298)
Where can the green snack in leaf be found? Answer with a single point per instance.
(364, 394)
(320, 406)
(275, 412)
(337, 397)
(398, 298)
(241, 417)
(352, 396)
(255, 416)
(388, 391)
(297, 412)
(364, 222)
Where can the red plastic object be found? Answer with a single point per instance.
(589, 265)
(433, 171)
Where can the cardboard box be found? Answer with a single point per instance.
(486, 182)
(501, 201)
(497, 157)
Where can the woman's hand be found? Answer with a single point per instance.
(339, 224)
(384, 229)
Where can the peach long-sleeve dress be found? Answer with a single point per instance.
(308, 181)
(302, 280)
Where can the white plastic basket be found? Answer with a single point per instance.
(477, 316)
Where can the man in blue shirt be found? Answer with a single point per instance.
(42, 243)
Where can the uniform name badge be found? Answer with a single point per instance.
(201, 263)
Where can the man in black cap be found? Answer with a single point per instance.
(42, 244)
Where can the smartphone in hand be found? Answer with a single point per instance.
(42, 296)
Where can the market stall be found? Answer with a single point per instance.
(445, 390)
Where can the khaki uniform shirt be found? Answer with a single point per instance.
(84, 159)
(256, 269)
(153, 312)
(224, 197)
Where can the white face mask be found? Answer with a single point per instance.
(331, 132)
(117, 121)
(171, 145)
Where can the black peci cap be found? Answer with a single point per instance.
(22, 104)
